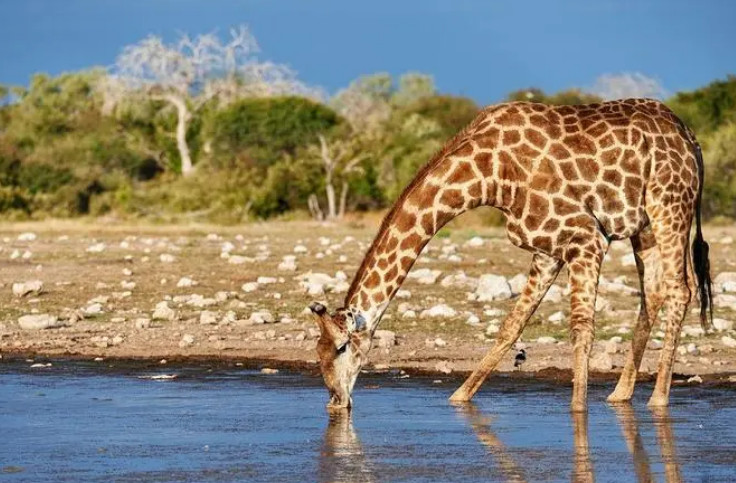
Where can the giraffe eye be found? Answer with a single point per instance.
(342, 348)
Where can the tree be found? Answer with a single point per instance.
(719, 197)
(567, 97)
(451, 113)
(190, 72)
(339, 159)
(267, 128)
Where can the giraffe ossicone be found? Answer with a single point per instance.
(569, 180)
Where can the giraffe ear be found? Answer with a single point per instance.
(318, 309)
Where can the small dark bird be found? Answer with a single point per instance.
(520, 359)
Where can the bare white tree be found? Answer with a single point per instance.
(192, 71)
(609, 86)
(339, 159)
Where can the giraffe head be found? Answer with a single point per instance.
(342, 349)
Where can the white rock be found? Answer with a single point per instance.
(424, 276)
(517, 283)
(409, 314)
(459, 280)
(692, 349)
(695, 379)
(163, 312)
(117, 340)
(440, 310)
(546, 340)
(492, 328)
(142, 323)
(185, 282)
(655, 344)
(239, 260)
(288, 264)
(557, 318)
(186, 340)
(208, 317)
(601, 362)
(722, 279)
(440, 342)
(602, 304)
(722, 325)
(726, 240)
(227, 247)
(300, 249)
(444, 367)
(728, 341)
(553, 295)
(628, 260)
(249, 287)
(492, 287)
(127, 285)
(262, 317)
(96, 248)
(167, 258)
(493, 312)
(693, 331)
(29, 236)
(386, 338)
(266, 280)
(38, 322)
(725, 301)
(403, 294)
(93, 309)
(33, 287)
(472, 320)
(476, 241)
(610, 346)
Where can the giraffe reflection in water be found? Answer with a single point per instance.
(583, 470)
(341, 458)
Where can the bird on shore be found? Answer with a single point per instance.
(520, 359)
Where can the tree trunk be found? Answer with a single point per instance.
(314, 208)
(343, 199)
(182, 120)
(331, 208)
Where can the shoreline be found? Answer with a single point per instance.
(309, 368)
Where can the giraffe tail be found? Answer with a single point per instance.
(701, 263)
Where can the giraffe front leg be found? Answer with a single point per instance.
(584, 271)
(648, 266)
(543, 272)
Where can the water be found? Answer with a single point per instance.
(77, 422)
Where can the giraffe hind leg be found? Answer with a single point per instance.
(648, 266)
(543, 272)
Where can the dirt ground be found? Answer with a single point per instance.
(104, 281)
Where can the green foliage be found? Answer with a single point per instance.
(65, 152)
(451, 113)
(566, 97)
(707, 108)
(268, 128)
(719, 195)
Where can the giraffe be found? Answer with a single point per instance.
(569, 180)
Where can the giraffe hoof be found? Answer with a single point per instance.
(578, 408)
(460, 397)
(658, 402)
(618, 399)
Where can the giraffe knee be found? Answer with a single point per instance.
(678, 293)
(581, 331)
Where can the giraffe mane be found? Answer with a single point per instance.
(446, 148)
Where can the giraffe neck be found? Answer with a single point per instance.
(456, 180)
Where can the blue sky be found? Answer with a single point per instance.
(479, 48)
